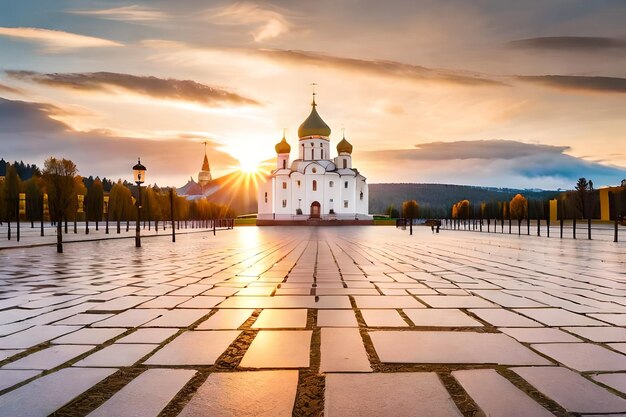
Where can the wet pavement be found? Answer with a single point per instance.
(337, 321)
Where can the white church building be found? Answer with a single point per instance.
(316, 187)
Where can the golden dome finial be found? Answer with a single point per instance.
(313, 102)
(344, 146)
(283, 146)
(313, 125)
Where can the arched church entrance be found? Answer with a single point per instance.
(315, 210)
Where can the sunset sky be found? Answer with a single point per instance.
(527, 94)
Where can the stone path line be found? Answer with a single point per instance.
(350, 321)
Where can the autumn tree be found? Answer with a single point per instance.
(120, 203)
(11, 192)
(518, 208)
(95, 201)
(32, 188)
(410, 210)
(59, 175)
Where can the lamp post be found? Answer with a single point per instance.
(139, 172)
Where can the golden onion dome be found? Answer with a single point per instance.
(344, 146)
(282, 146)
(313, 125)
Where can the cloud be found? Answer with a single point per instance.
(56, 40)
(21, 116)
(488, 163)
(132, 13)
(30, 133)
(569, 43)
(7, 89)
(162, 88)
(579, 83)
(482, 149)
(381, 67)
(269, 23)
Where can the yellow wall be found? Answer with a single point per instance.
(553, 210)
(605, 213)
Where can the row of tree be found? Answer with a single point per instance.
(582, 202)
(59, 194)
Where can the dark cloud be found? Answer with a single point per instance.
(163, 88)
(380, 67)
(6, 89)
(25, 117)
(569, 43)
(579, 83)
(483, 149)
(494, 163)
(28, 133)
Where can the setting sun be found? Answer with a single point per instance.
(248, 167)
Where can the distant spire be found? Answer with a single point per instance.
(313, 103)
(205, 163)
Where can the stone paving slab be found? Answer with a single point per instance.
(383, 318)
(572, 391)
(600, 334)
(89, 336)
(10, 377)
(148, 336)
(116, 355)
(34, 336)
(390, 395)
(496, 396)
(146, 395)
(226, 320)
(451, 347)
(615, 381)
(276, 319)
(279, 349)
(441, 317)
(500, 317)
(343, 351)
(245, 394)
(49, 358)
(194, 348)
(47, 394)
(584, 357)
(540, 335)
(336, 318)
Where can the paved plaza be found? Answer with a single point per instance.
(345, 321)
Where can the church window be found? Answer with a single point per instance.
(314, 170)
(266, 197)
(322, 153)
(284, 185)
(284, 163)
(331, 184)
(314, 185)
(345, 184)
(298, 182)
(331, 200)
(345, 163)
(284, 203)
(312, 153)
(303, 151)
(345, 203)
(361, 195)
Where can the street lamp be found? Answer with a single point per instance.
(139, 172)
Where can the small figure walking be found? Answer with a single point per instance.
(432, 228)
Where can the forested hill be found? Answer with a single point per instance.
(440, 196)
